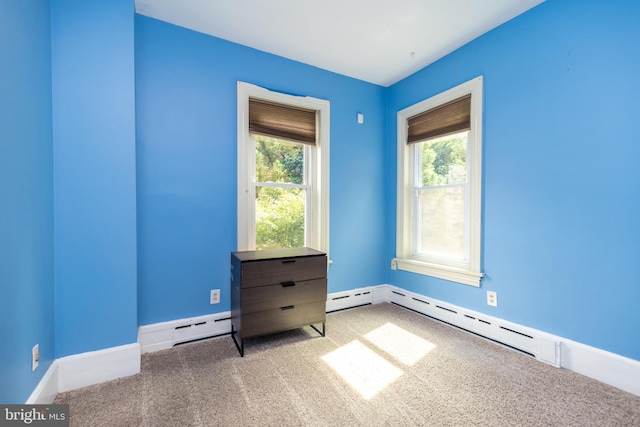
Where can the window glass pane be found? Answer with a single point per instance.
(440, 223)
(278, 160)
(444, 160)
(279, 217)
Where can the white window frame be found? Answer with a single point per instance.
(467, 271)
(316, 163)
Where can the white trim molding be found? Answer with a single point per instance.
(94, 367)
(81, 370)
(543, 346)
(318, 219)
(466, 270)
(445, 272)
(607, 367)
(610, 368)
(85, 369)
(45, 392)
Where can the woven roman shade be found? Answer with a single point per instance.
(445, 119)
(282, 121)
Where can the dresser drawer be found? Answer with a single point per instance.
(282, 319)
(276, 271)
(275, 296)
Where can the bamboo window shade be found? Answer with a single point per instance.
(282, 121)
(451, 117)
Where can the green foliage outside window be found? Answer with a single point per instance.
(279, 211)
(280, 218)
(279, 161)
(444, 160)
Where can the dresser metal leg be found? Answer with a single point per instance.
(240, 346)
(317, 330)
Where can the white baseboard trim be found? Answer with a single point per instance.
(94, 367)
(47, 388)
(164, 335)
(609, 368)
(542, 346)
(606, 367)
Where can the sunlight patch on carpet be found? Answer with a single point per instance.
(363, 369)
(404, 346)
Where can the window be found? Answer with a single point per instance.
(439, 185)
(282, 193)
(283, 170)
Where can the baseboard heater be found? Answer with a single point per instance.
(164, 335)
(470, 331)
(516, 337)
(349, 299)
(190, 333)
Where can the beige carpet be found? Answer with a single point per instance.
(379, 365)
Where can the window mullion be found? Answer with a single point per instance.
(281, 185)
(251, 197)
(440, 186)
(310, 196)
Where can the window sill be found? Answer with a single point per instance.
(440, 271)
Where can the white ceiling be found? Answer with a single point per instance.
(378, 41)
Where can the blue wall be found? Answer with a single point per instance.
(26, 197)
(186, 165)
(561, 193)
(132, 162)
(94, 167)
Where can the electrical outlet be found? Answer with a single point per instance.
(215, 296)
(492, 298)
(35, 357)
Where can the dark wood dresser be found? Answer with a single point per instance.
(276, 290)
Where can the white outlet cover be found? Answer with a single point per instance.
(492, 298)
(215, 296)
(35, 357)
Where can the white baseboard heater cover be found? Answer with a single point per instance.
(349, 299)
(164, 335)
(543, 347)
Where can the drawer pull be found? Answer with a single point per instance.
(288, 261)
(289, 307)
(288, 284)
